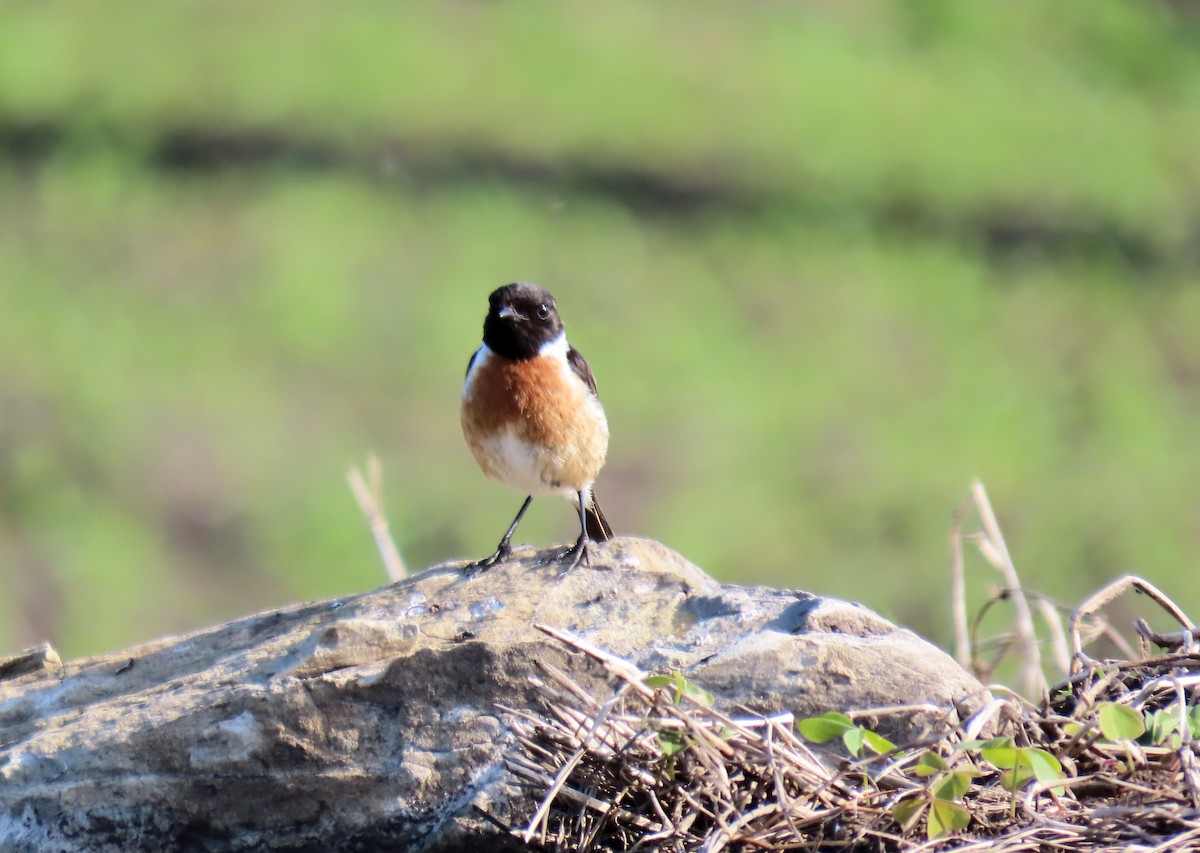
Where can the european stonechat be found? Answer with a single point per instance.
(530, 412)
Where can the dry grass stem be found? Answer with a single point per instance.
(368, 491)
(656, 769)
(958, 593)
(652, 769)
(993, 547)
(1112, 592)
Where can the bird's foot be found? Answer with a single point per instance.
(498, 556)
(576, 554)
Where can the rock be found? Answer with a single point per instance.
(374, 722)
(40, 657)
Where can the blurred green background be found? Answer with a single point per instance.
(829, 262)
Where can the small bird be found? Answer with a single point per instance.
(530, 413)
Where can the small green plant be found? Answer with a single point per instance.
(674, 741)
(1018, 764)
(941, 798)
(1159, 727)
(681, 688)
(1119, 722)
(1163, 726)
(950, 780)
(832, 724)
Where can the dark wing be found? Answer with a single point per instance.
(580, 366)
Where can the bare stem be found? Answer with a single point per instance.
(368, 491)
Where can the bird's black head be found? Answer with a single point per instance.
(521, 318)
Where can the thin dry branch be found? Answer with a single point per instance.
(995, 550)
(1106, 596)
(368, 491)
(958, 592)
(1173, 641)
(651, 770)
(1058, 637)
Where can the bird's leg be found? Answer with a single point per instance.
(504, 548)
(578, 553)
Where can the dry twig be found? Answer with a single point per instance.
(368, 491)
(651, 770)
(993, 547)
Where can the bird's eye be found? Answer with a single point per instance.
(543, 312)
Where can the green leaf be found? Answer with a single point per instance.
(1159, 725)
(1004, 757)
(825, 727)
(1016, 778)
(930, 763)
(1119, 722)
(698, 694)
(952, 787)
(672, 743)
(854, 739)
(1044, 764)
(878, 743)
(967, 769)
(972, 745)
(681, 686)
(1072, 728)
(908, 811)
(1045, 767)
(945, 818)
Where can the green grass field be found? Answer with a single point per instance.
(829, 262)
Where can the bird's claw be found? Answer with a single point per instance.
(576, 554)
(498, 556)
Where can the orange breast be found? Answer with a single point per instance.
(532, 425)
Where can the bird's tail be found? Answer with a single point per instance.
(595, 523)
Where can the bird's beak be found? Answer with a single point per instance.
(506, 312)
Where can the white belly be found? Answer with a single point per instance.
(525, 468)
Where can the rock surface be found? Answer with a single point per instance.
(372, 722)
